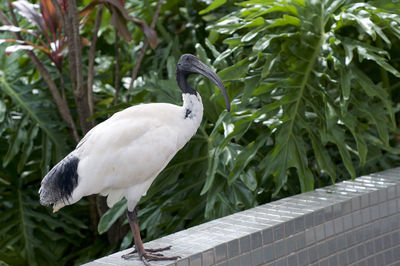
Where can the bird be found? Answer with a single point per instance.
(121, 157)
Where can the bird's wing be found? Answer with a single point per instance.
(130, 148)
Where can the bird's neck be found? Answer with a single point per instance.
(181, 78)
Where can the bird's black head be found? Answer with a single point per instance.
(189, 64)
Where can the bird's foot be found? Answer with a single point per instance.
(147, 250)
(150, 254)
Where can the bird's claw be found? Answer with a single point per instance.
(148, 250)
(150, 254)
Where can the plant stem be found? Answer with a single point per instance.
(146, 44)
(91, 59)
(75, 63)
(116, 77)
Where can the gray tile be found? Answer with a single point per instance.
(332, 245)
(369, 247)
(324, 262)
(309, 220)
(292, 260)
(281, 262)
(195, 260)
(373, 198)
(378, 244)
(341, 242)
(388, 257)
(387, 241)
(279, 231)
(328, 212)
(280, 248)
(302, 257)
(396, 253)
(313, 254)
(269, 252)
(395, 238)
(356, 216)
(374, 212)
(356, 203)
(392, 208)
(291, 244)
(352, 255)
(232, 262)
(183, 262)
(385, 225)
(394, 222)
(364, 201)
(338, 224)
(347, 222)
(369, 231)
(371, 261)
(342, 258)
(365, 215)
(300, 240)
(377, 228)
(361, 263)
(323, 251)
(319, 232)
(310, 236)
(257, 256)
(245, 245)
(333, 260)
(379, 259)
(256, 240)
(350, 239)
(382, 195)
(245, 259)
(299, 224)
(221, 252)
(289, 228)
(337, 210)
(208, 257)
(383, 209)
(267, 236)
(329, 228)
(319, 217)
(233, 248)
(391, 192)
(361, 253)
(346, 207)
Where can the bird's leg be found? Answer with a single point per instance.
(145, 254)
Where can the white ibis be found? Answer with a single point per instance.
(124, 154)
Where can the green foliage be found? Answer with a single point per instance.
(298, 77)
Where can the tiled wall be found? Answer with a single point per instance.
(352, 223)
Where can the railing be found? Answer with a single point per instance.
(353, 222)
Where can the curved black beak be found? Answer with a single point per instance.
(192, 65)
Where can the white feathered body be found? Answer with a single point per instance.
(122, 156)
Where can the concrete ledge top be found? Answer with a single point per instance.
(301, 222)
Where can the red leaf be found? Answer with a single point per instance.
(51, 19)
(64, 5)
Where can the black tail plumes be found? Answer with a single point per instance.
(58, 184)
